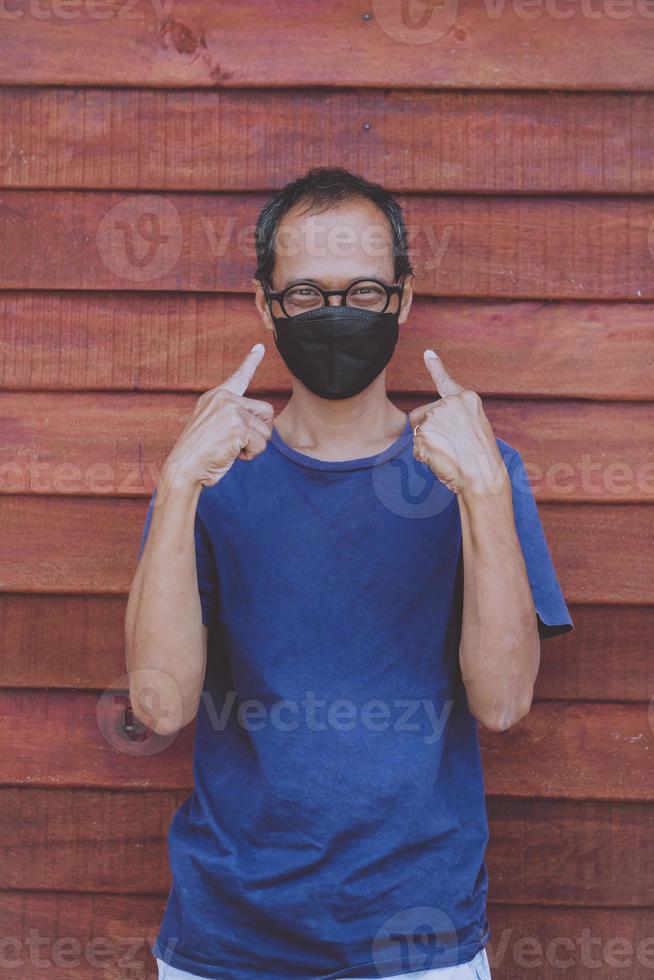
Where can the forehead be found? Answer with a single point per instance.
(349, 240)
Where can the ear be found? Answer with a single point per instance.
(407, 299)
(262, 306)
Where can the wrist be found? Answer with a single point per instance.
(477, 498)
(172, 480)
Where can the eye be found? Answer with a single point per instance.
(302, 290)
(368, 293)
(301, 297)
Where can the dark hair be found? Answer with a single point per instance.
(321, 188)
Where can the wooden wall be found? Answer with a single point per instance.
(523, 149)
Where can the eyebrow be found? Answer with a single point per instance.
(315, 282)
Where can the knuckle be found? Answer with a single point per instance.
(233, 412)
(471, 397)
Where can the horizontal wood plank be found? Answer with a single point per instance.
(562, 852)
(567, 751)
(542, 852)
(603, 553)
(481, 246)
(86, 840)
(582, 942)
(177, 140)
(77, 641)
(190, 342)
(465, 44)
(573, 751)
(80, 935)
(606, 657)
(523, 938)
(115, 444)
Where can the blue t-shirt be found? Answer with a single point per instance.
(337, 825)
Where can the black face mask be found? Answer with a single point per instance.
(336, 351)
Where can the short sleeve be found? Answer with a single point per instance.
(204, 560)
(552, 612)
(206, 569)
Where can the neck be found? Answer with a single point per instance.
(346, 428)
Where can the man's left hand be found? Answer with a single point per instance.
(455, 438)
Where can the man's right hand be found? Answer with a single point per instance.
(224, 426)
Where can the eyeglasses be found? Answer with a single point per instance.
(363, 294)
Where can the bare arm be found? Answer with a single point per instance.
(499, 651)
(165, 639)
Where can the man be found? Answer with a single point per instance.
(341, 594)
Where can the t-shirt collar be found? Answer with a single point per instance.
(361, 463)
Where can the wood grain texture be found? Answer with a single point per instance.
(137, 145)
(80, 739)
(563, 852)
(85, 936)
(523, 939)
(482, 246)
(86, 840)
(190, 342)
(77, 641)
(115, 444)
(541, 852)
(197, 140)
(607, 657)
(573, 751)
(583, 942)
(603, 553)
(465, 44)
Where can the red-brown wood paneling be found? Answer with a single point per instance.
(148, 139)
(115, 443)
(77, 641)
(541, 852)
(487, 246)
(604, 553)
(114, 933)
(560, 750)
(464, 44)
(190, 341)
(520, 141)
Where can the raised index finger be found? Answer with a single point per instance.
(445, 384)
(238, 382)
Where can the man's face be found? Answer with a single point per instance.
(332, 248)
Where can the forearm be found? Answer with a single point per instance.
(165, 642)
(499, 652)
